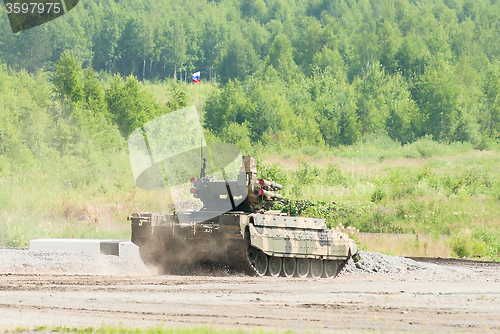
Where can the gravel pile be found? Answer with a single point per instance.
(23, 261)
(376, 263)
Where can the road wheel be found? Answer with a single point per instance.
(252, 254)
(274, 266)
(289, 266)
(258, 260)
(330, 268)
(316, 268)
(302, 267)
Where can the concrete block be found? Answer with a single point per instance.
(128, 249)
(110, 247)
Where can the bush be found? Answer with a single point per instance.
(478, 242)
(305, 174)
(487, 143)
(237, 134)
(425, 147)
(378, 195)
(310, 150)
(334, 175)
(275, 173)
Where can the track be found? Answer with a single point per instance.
(237, 258)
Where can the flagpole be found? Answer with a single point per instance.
(201, 103)
(196, 78)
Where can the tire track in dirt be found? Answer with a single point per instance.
(399, 291)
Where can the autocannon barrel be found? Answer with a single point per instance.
(270, 184)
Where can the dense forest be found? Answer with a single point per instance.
(309, 72)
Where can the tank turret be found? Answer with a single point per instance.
(247, 193)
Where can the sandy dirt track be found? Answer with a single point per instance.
(411, 301)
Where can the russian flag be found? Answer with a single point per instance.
(196, 77)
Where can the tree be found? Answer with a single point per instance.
(384, 104)
(130, 105)
(214, 38)
(365, 50)
(174, 52)
(93, 92)
(280, 57)
(255, 9)
(371, 99)
(491, 89)
(34, 45)
(309, 43)
(334, 101)
(239, 60)
(403, 122)
(67, 78)
(327, 57)
(438, 99)
(178, 98)
(225, 106)
(129, 48)
(105, 39)
(390, 41)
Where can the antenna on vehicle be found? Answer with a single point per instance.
(203, 160)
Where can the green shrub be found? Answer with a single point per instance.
(334, 175)
(378, 195)
(426, 147)
(310, 150)
(478, 242)
(460, 247)
(305, 173)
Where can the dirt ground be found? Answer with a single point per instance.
(407, 302)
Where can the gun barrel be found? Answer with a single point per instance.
(270, 184)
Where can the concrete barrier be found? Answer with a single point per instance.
(129, 250)
(90, 246)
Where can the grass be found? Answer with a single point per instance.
(380, 147)
(151, 330)
(453, 193)
(196, 92)
(416, 245)
(46, 201)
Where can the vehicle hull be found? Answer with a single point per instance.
(246, 242)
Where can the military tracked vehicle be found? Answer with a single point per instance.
(236, 228)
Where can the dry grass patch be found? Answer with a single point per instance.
(411, 245)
